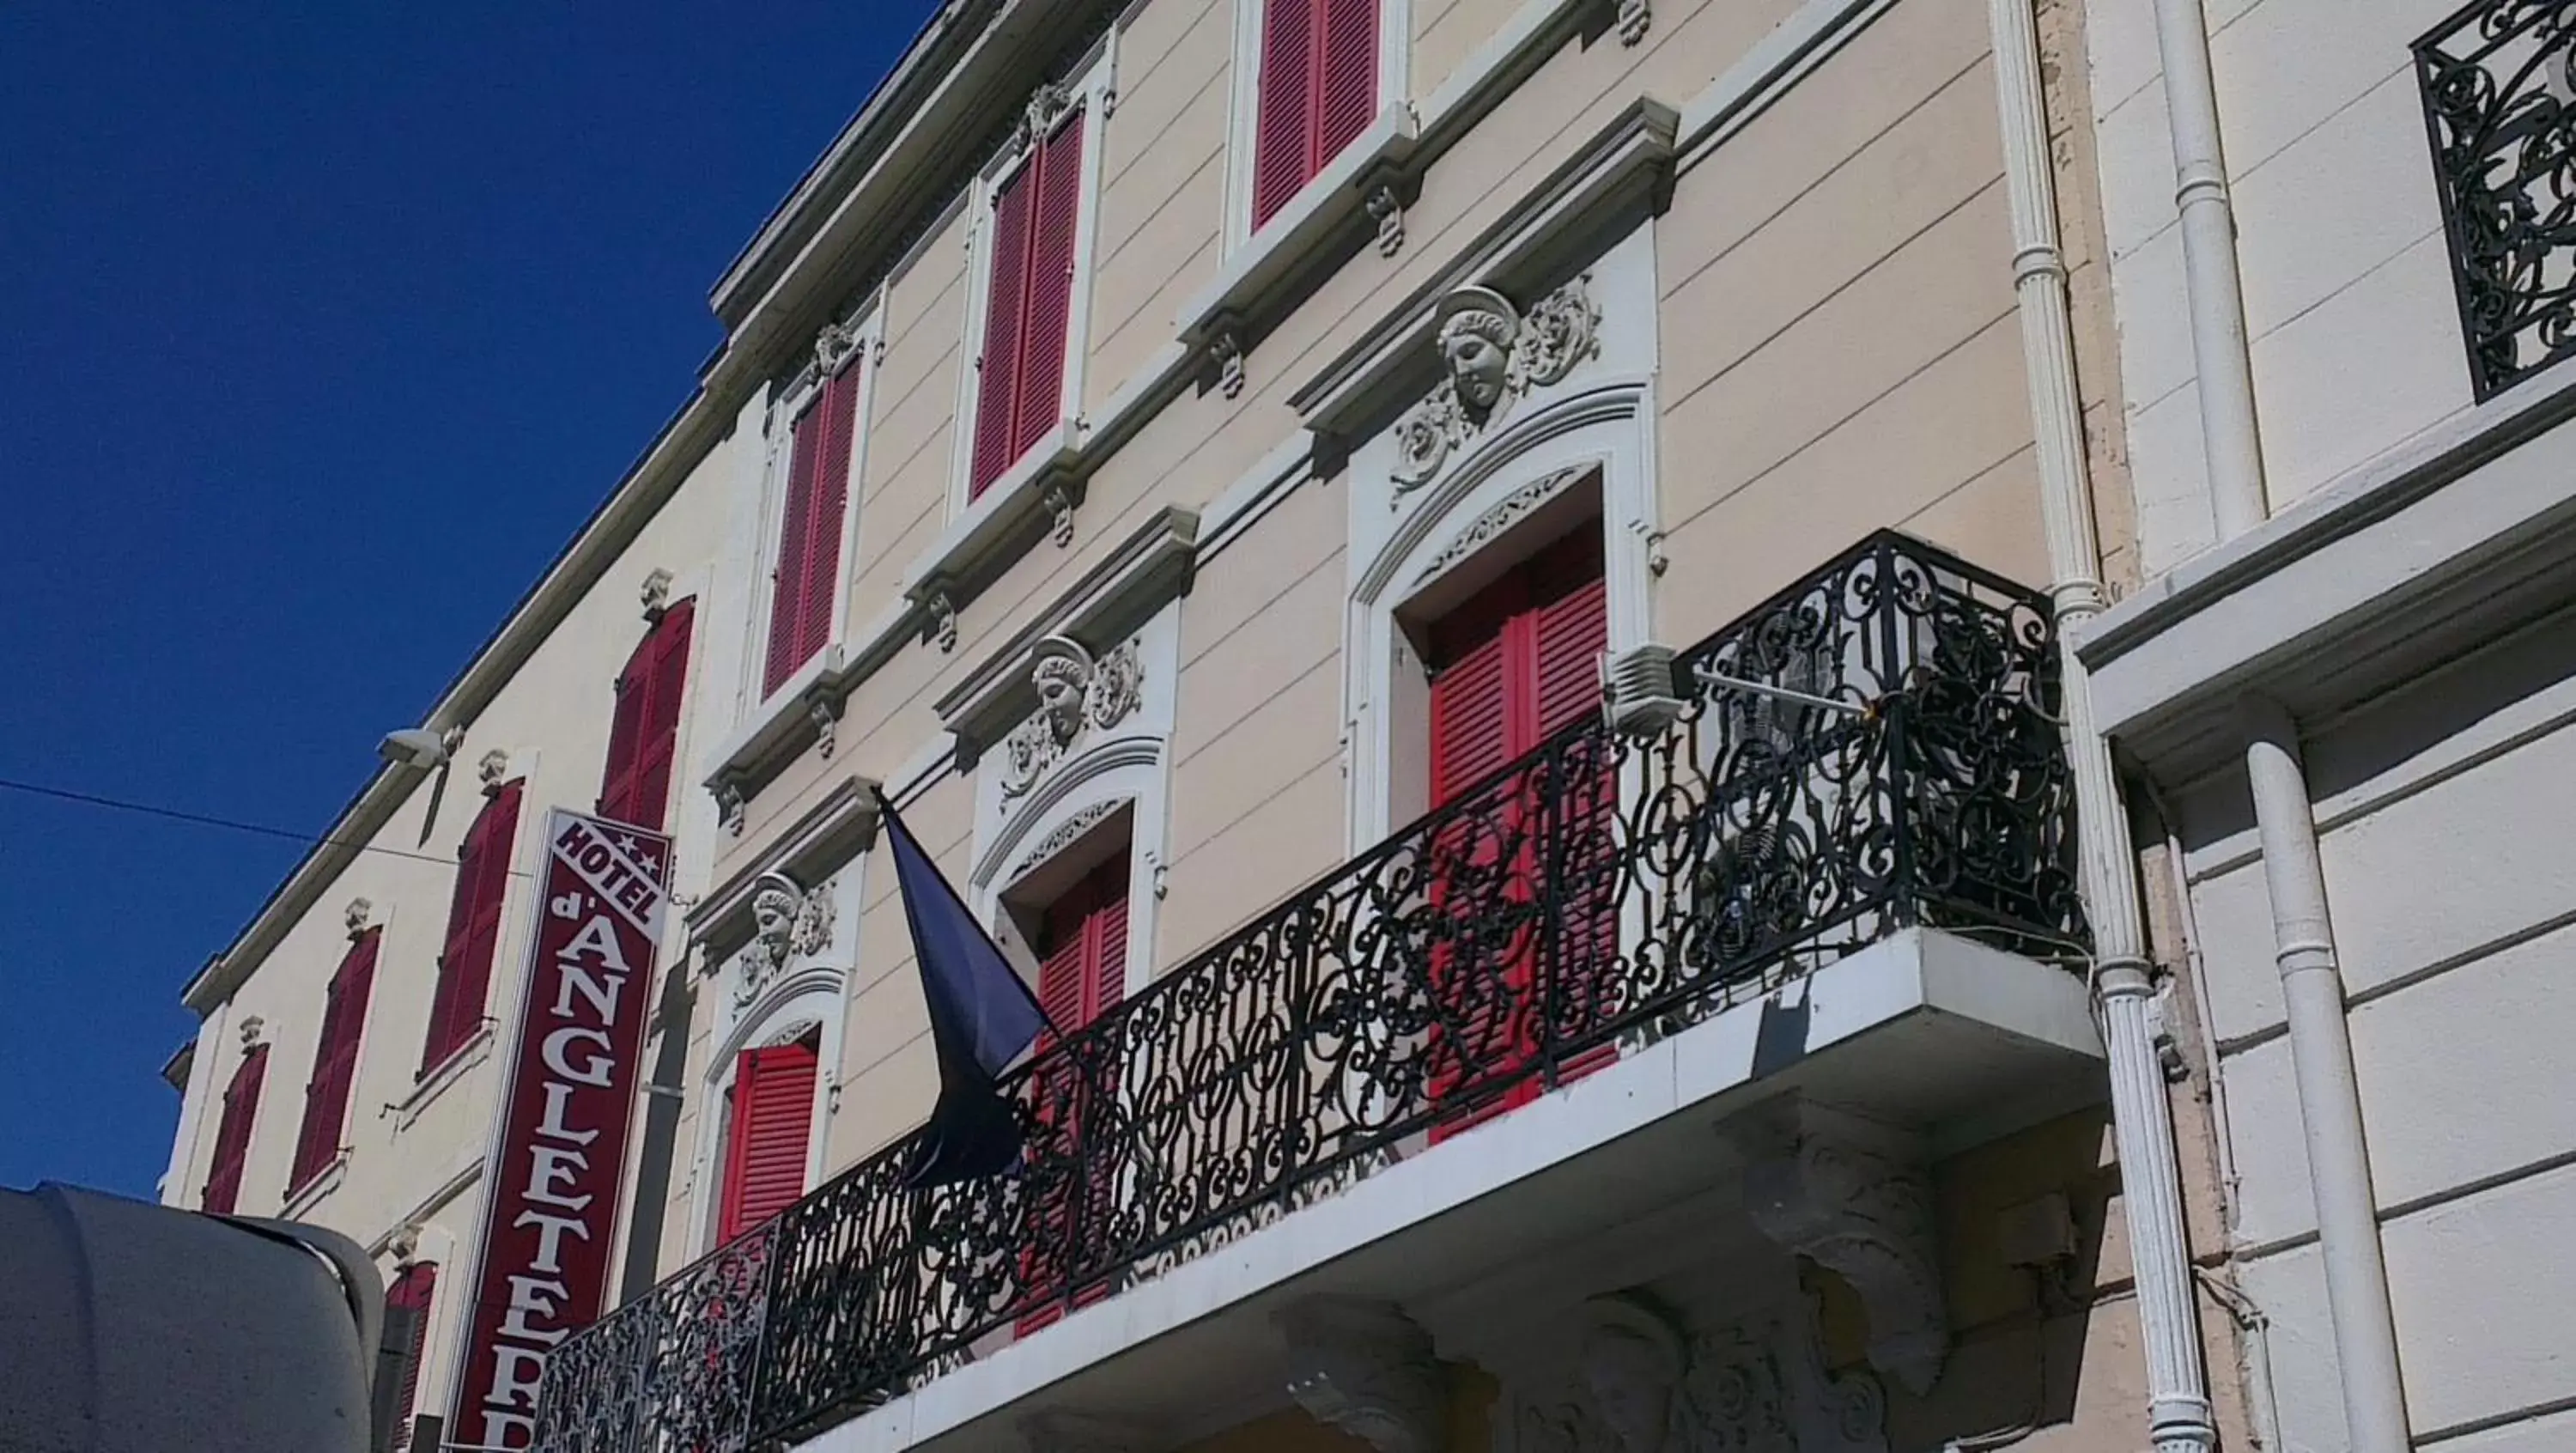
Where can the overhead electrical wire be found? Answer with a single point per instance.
(200, 819)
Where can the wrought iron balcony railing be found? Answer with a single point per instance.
(2500, 103)
(1604, 891)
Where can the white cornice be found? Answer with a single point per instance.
(840, 824)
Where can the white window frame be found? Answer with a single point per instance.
(788, 405)
(1394, 75)
(1092, 86)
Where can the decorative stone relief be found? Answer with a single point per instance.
(825, 714)
(730, 805)
(1513, 508)
(1494, 356)
(657, 595)
(404, 1245)
(1064, 834)
(1046, 105)
(1634, 18)
(786, 921)
(1366, 1368)
(1059, 503)
(833, 347)
(1758, 1385)
(251, 1026)
(357, 916)
(1868, 1218)
(1074, 692)
(1226, 347)
(939, 620)
(494, 770)
(1388, 211)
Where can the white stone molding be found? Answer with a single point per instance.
(1367, 1369)
(656, 595)
(357, 916)
(1635, 16)
(1492, 356)
(1068, 832)
(1866, 1215)
(493, 770)
(1075, 692)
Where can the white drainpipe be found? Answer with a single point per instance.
(2178, 1410)
(2229, 440)
(2302, 930)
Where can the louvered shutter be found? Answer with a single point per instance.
(1346, 85)
(773, 1121)
(473, 926)
(635, 785)
(1476, 967)
(1038, 400)
(820, 579)
(997, 380)
(335, 1058)
(795, 531)
(1284, 110)
(409, 1300)
(232, 1132)
(1570, 630)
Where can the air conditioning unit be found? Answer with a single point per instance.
(1637, 689)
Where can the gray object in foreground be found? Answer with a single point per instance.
(127, 1327)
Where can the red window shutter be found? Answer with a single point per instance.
(416, 1288)
(997, 383)
(232, 1132)
(473, 926)
(335, 1059)
(635, 786)
(1038, 401)
(795, 532)
(1318, 92)
(773, 1118)
(1285, 107)
(1346, 88)
(820, 580)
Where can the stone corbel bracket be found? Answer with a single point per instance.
(1852, 1197)
(1367, 1369)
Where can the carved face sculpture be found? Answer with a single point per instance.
(1061, 672)
(1477, 326)
(1632, 1370)
(773, 920)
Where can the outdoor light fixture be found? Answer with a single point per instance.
(415, 747)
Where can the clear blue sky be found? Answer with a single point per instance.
(321, 328)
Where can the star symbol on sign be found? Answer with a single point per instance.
(629, 846)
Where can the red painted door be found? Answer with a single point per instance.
(1512, 667)
(1082, 974)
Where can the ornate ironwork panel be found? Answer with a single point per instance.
(669, 1372)
(2498, 93)
(1601, 892)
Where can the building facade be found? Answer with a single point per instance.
(1480, 592)
(2337, 237)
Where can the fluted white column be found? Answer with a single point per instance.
(2178, 1410)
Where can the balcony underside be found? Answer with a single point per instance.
(1926, 1038)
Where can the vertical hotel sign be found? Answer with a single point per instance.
(552, 1208)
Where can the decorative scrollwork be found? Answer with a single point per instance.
(1494, 356)
(2500, 100)
(1596, 894)
(670, 1372)
(1074, 691)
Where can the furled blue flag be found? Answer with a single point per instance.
(982, 1017)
